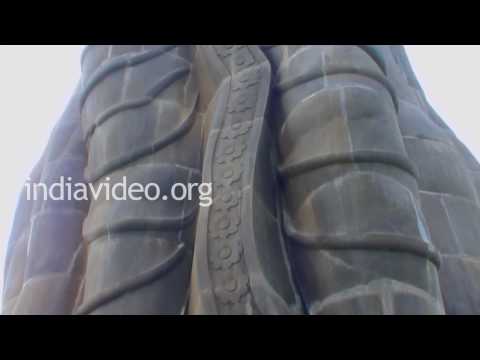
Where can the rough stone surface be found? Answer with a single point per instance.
(337, 189)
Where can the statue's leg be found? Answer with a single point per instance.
(359, 243)
(448, 178)
(140, 123)
(240, 264)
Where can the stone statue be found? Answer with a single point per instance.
(336, 189)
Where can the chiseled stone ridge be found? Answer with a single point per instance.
(336, 189)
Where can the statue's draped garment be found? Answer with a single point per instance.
(336, 189)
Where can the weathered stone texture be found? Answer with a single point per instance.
(337, 189)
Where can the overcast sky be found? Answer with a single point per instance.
(37, 81)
